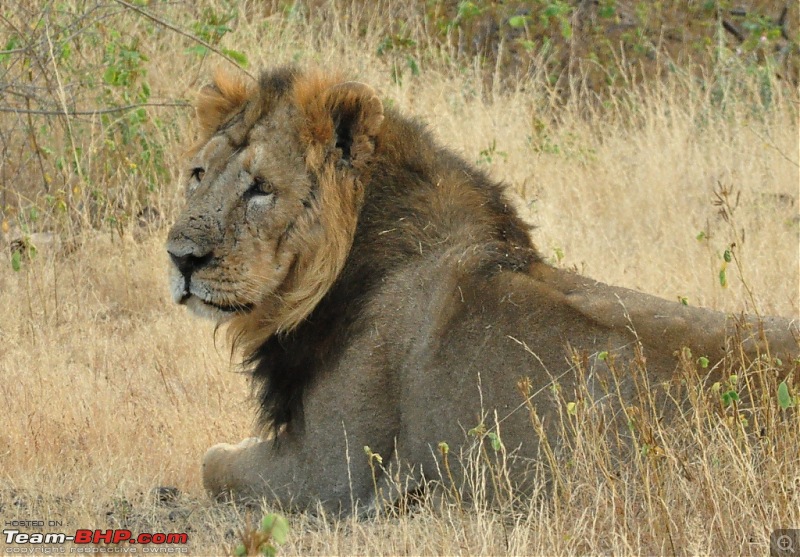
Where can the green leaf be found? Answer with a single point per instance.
(727, 256)
(730, 397)
(572, 409)
(280, 528)
(606, 11)
(495, 440)
(412, 65)
(603, 356)
(239, 57)
(784, 399)
(199, 50)
(517, 21)
(723, 278)
(552, 10)
(566, 29)
(16, 259)
(684, 300)
(110, 75)
(468, 10)
(240, 551)
(267, 522)
(10, 45)
(703, 361)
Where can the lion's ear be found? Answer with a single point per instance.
(357, 114)
(346, 116)
(218, 100)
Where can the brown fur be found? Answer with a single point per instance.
(385, 293)
(217, 101)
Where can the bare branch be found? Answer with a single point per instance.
(730, 28)
(782, 22)
(93, 112)
(769, 143)
(15, 50)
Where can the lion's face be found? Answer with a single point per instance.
(276, 160)
(233, 245)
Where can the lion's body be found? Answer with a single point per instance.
(387, 295)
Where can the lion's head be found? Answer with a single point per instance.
(273, 190)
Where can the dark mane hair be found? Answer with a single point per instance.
(427, 197)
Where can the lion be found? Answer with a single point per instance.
(385, 293)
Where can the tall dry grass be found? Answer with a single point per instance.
(110, 391)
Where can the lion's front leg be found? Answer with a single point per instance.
(251, 470)
(219, 465)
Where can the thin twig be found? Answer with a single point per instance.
(14, 50)
(62, 96)
(29, 42)
(32, 46)
(3, 178)
(172, 27)
(769, 143)
(730, 28)
(92, 112)
(36, 149)
(782, 22)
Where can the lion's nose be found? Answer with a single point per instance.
(188, 263)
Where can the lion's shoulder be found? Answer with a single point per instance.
(327, 194)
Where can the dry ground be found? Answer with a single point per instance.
(109, 390)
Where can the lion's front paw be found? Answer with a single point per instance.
(218, 477)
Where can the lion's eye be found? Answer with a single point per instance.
(259, 187)
(198, 173)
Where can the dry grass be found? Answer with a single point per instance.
(109, 390)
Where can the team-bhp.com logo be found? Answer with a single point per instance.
(25, 543)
